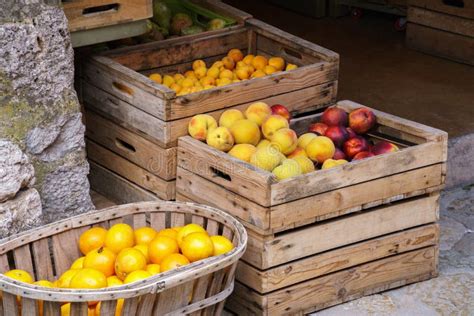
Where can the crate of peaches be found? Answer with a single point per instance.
(265, 161)
(127, 260)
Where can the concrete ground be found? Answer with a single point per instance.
(378, 70)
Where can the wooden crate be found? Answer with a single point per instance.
(89, 14)
(268, 206)
(116, 83)
(442, 29)
(48, 251)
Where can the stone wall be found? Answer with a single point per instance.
(39, 109)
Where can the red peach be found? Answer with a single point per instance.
(362, 155)
(318, 128)
(384, 147)
(362, 120)
(338, 135)
(339, 154)
(281, 110)
(352, 134)
(334, 116)
(355, 145)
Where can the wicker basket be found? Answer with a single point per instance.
(46, 252)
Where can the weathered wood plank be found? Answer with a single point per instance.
(440, 21)
(466, 11)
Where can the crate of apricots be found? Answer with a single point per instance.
(145, 258)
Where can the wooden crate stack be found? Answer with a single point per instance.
(133, 124)
(442, 28)
(331, 235)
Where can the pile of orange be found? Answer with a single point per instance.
(234, 67)
(122, 255)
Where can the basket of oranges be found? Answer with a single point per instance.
(149, 258)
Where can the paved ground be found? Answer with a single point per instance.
(452, 293)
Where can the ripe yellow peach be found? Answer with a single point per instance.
(268, 70)
(277, 62)
(305, 163)
(218, 64)
(198, 64)
(267, 158)
(285, 139)
(304, 139)
(258, 74)
(235, 54)
(187, 83)
(243, 72)
(156, 78)
(320, 149)
(213, 72)
(297, 152)
(220, 138)
(243, 151)
(178, 77)
(245, 132)
(168, 80)
(288, 169)
(200, 72)
(259, 62)
(200, 125)
(263, 143)
(291, 67)
(330, 163)
(258, 112)
(228, 63)
(248, 59)
(229, 117)
(223, 82)
(226, 73)
(176, 87)
(207, 80)
(189, 74)
(272, 124)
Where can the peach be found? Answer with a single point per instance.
(263, 143)
(220, 138)
(338, 135)
(334, 116)
(304, 139)
(245, 132)
(228, 63)
(236, 54)
(305, 163)
(291, 67)
(267, 158)
(297, 152)
(384, 147)
(320, 149)
(281, 110)
(362, 155)
(243, 151)
(330, 163)
(285, 139)
(277, 62)
(272, 124)
(200, 125)
(339, 154)
(355, 145)
(318, 128)
(258, 112)
(289, 168)
(351, 133)
(362, 120)
(229, 117)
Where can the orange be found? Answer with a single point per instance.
(137, 276)
(221, 245)
(172, 261)
(19, 275)
(64, 280)
(259, 62)
(169, 232)
(197, 246)
(119, 236)
(129, 260)
(153, 268)
(235, 54)
(160, 247)
(101, 259)
(91, 239)
(198, 64)
(144, 235)
(88, 279)
(113, 281)
(258, 74)
(143, 249)
(78, 263)
(248, 59)
(228, 63)
(118, 308)
(188, 229)
(156, 78)
(277, 62)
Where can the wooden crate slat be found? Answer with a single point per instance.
(145, 306)
(139, 220)
(107, 308)
(79, 309)
(4, 266)
(30, 307)
(442, 21)
(264, 281)
(22, 256)
(335, 288)
(130, 306)
(177, 220)
(115, 187)
(153, 158)
(51, 308)
(162, 188)
(174, 298)
(439, 5)
(292, 245)
(158, 221)
(65, 250)
(10, 304)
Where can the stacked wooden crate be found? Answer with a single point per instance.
(442, 28)
(133, 123)
(331, 235)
